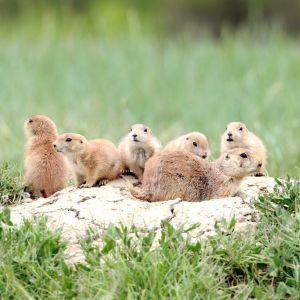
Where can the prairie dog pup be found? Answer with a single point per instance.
(46, 171)
(181, 174)
(136, 148)
(194, 142)
(91, 161)
(237, 135)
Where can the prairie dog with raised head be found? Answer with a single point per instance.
(93, 162)
(180, 174)
(46, 171)
(136, 148)
(195, 142)
(237, 135)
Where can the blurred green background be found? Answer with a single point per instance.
(96, 67)
(169, 15)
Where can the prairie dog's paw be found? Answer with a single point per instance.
(125, 171)
(103, 182)
(259, 175)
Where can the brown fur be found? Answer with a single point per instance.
(93, 162)
(243, 138)
(180, 174)
(194, 142)
(136, 150)
(46, 170)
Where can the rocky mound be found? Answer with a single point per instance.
(75, 210)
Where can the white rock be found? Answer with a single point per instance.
(77, 209)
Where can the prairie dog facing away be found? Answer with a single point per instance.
(195, 142)
(46, 171)
(181, 174)
(136, 148)
(92, 162)
(237, 135)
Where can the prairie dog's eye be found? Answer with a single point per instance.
(68, 140)
(30, 121)
(195, 144)
(145, 130)
(130, 129)
(241, 128)
(243, 155)
(227, 157)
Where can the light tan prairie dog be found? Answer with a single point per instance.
(181, 174)
(46, 171)
(92, 162)
(136, 148)
(195, 142)
(237, 135)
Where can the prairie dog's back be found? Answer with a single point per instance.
(109, 150)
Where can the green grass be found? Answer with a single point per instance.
(98, 85)
(263, 263)
(11, 184)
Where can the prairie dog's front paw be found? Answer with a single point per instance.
(102, 182)
(86, 185)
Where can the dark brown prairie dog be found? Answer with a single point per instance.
(180, 174)
(195, 142)
(237, 135)
(136, 148)
(46, 171)
(92, 162)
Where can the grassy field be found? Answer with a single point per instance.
(98, 86)
(260, 264)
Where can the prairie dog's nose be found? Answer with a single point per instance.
(229, 134)
(134, 135)
(259, 165)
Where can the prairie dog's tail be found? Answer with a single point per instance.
(138, 193)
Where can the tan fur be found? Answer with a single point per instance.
(136, 148)
(180, 174)
(46, 170)
(93, 162)
(243, 138)
(194, 142)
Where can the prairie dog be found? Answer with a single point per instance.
(237, 135)
(46, 171)
(136, 148)
(194, 142)
(92, 162)
(180, 174)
